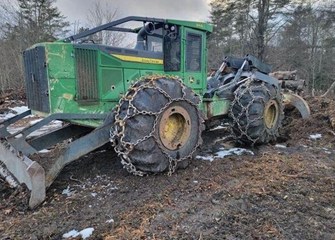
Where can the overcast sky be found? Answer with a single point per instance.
(195, 10)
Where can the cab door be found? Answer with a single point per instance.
(194, 62)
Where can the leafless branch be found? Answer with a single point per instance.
(101, 14)
(328, 92)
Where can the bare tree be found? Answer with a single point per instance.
(23, 23)
(247, 25)
(101, 14)
(10, 48)
(288, 34)
(308, 44)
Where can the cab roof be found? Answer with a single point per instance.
(197, 25)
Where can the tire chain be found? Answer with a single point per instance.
(245, 109)
(117, 132)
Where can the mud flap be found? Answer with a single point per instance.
(24, 171)
(291, 99)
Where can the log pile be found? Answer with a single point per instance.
(289, 80)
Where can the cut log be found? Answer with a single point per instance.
(293, 85)
(285, 75)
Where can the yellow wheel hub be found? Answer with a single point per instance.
(174, 127)
(271, 114)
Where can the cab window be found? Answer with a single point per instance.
(193, 52)
(172, 48)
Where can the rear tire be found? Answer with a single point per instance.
(157, 125)
(257, 112)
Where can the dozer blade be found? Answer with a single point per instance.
(291, 99)
(19, 154)
(18, 167)
(24, 171)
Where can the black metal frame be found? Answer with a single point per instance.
(247, 67)
(111, 26)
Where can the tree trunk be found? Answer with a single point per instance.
(328, 92)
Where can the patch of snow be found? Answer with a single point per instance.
(110, 220)
(18, 136)
(94, 194)
(315, 136)
(233, 151)
(47, 128)
(206, 158)
(44, 151)
(6, 175)
(6, 116)
(114, 188)
(13, 130)
(225, 152)
(217, 128)
(85, 233)
(68, 192)
(13, 112)
(20, 110)
(280, 146)
(72, 233)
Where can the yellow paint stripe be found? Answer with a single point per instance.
(138, 59)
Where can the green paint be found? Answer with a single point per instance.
(216, 106)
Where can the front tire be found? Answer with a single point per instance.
(157, 126)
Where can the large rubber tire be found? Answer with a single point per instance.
(256, 112)
(157, 125)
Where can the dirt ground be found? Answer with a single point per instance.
(284, 191)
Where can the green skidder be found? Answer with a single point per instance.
(152, 101)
